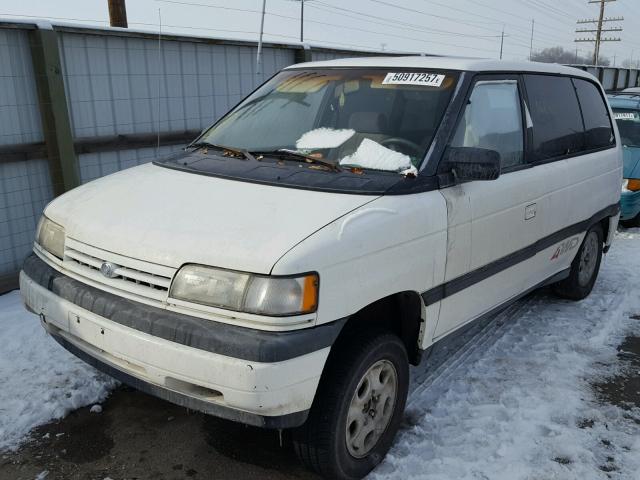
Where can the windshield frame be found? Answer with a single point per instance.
(430, 150)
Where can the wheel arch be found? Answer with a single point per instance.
(402, 313)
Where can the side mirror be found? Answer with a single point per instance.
(471, 163)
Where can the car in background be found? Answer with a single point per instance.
(626, 111)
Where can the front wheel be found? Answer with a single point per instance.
(584, 268)
(358, 408)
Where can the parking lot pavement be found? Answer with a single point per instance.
(140, 437)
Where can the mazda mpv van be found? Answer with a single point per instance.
(346, 220)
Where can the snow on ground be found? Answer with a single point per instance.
(40, 381)
(517, 403)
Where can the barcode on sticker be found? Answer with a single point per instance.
(414, 78)
(624, 115)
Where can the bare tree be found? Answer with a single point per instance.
(630, 63)
(560, 55)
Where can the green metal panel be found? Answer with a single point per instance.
(54, 112)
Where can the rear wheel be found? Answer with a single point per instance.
(358, 407)
(584, 268)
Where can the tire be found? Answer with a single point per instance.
(584, 268)
(632, 222)
(323, 443)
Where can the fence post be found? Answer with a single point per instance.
(302, 54)
(54, 112)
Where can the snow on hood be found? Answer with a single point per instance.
(371, 154)
(324, 138)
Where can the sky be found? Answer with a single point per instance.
(453, 27)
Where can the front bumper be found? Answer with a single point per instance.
(260, 378)
(630, 205)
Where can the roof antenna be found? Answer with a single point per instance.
(160, 74)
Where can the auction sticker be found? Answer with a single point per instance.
(624, 115)
(409, 78)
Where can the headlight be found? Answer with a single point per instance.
(632, 185)
(244, 292)
(50, 236)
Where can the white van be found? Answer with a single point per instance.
(347, 219)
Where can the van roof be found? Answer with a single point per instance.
(448, 63)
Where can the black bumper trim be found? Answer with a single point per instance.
(290, 420)
(208, 335)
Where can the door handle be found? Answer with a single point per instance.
(530, 211)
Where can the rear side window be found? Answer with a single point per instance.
(555, 117)
(597, 124)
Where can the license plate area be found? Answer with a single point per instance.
(87, 330)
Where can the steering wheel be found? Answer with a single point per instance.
(403, 142)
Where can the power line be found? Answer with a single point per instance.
(390, 22)
(599, 30)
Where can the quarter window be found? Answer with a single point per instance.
(493, 120)
(597, 124)
(555, 116)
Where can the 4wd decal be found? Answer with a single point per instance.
(565, 247)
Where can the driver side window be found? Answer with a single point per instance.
(493, 120)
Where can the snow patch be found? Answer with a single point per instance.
(40, 380)
(371, 154)
(96, 409)
(324, 138)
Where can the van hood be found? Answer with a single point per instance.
(170, 217)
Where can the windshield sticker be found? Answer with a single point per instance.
(408, 78)
(624, 115)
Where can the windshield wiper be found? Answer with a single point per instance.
(236, 151)
(297, 156)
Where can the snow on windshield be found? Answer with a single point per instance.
(324, 138)
(371, 154)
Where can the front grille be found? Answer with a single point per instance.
(131, 275)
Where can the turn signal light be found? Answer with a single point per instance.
(634, 185)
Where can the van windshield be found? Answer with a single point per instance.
(629, 126)
(363, 118)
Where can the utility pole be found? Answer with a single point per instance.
(599, 30)
(301, 21)
(533, 24)
(259, 56)
(118, 13)
(501, 42)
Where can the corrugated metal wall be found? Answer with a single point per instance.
(25, 186)
(117, 85)
(99, 164)
(613, 78)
